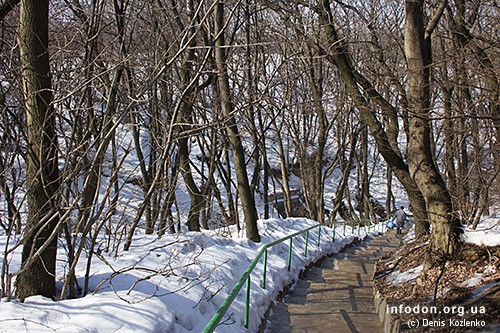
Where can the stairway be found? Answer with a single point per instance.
(337, 296)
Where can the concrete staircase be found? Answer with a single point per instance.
(336, 296)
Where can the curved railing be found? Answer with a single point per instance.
(245, 278)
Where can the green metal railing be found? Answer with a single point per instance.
(245, 278)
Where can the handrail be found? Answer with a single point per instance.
(245, 278)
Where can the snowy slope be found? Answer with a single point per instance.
(175, 284)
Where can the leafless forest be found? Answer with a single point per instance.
(230, 102)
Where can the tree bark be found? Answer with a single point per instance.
(37, 276)
(317, 207)
(445, 224)
(287, 196)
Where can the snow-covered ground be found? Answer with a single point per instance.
(487, 233)
(175, 284)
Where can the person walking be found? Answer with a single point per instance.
(400, 218)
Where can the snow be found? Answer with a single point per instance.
(482, 288)
(175, 284)
(487, 233)
(398, 277)
(476, 280)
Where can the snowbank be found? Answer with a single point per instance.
(175, 284)
(486, 234)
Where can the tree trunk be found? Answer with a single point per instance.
(37, 276)
(342, 188)
(445, 224)
(287, 197)
(339, 56)
(389, 200)
(186, 112)
(247, 198)
(316, 80)
(227, 180)
(197, 199)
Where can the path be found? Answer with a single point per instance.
(337, 296)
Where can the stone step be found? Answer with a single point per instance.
(336, 296)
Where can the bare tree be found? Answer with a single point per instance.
(37, 275)
(445, 223)
(244, 190)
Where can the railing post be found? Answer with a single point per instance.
(264, 273)
(247, 302)
(307, 242)
(319, 235)
(245, 279)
